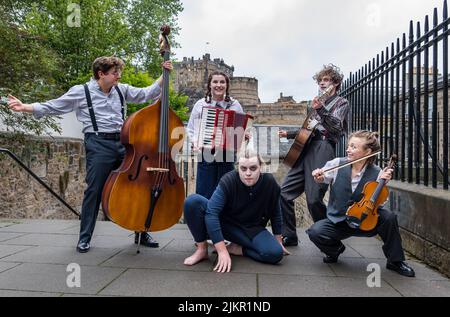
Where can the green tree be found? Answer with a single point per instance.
(42, 53)
(139, 79)
(125, 28)
(28, 71)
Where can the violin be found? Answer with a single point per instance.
(363, 214)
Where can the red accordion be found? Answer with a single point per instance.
(222, 129)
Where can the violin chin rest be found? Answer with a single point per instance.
(353, 222)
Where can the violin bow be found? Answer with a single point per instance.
(351, 162)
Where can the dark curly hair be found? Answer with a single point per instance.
(333, 72)
(208, 95)
(105, 63)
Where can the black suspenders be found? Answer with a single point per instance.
(91, 109)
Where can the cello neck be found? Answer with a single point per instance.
(164, 116)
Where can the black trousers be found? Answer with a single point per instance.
(327, 236)
(102, 157)
(299, 180)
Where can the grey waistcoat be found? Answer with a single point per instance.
(341, 196)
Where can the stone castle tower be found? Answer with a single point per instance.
(191, 77)
(245, 89)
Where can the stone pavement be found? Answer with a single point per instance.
(34, 258)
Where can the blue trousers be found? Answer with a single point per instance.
(262, 248)
(209, 174)
(102, 157)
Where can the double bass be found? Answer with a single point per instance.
(146, 193)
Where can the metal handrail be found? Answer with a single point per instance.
(15, 158)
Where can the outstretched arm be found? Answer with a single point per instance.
(18, 106)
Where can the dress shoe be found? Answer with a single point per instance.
(290, 242)
(333, 258)
(146, 240)
(401, 268)
(83, 247)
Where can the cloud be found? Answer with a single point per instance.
(284, 42)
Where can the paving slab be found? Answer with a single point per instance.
(322, 286)
(52, 278)
(289, 265)
(7, 250)
(7, 293)
(144, 282)
(44, 239)
(310, 250)
(39, 226)
(7, 265)
(105, 228)
(5, 236)
(60, 255)
(181, 245)
(155, 259)
(369, 250)
(34, 255)
(421, 288)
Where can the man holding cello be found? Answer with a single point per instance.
(348, 182)
(100, 107)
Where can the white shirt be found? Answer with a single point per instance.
(330, 177)
(195, 118)
(107, 107)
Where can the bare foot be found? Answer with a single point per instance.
(199, 255)
(234, 249)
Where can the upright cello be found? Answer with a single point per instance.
(146, 193)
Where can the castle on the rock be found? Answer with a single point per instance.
(191, 79)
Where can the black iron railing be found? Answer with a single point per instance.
(401, 94)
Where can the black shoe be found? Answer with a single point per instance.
(401, 268)
(333, 258)
(146, 240)
(83, 247)
(290, 242)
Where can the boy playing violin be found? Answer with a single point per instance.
(347, 187)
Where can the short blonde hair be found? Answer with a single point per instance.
(371, 142)
(248, 154)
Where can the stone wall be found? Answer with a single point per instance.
(59, 162)
(275, 115)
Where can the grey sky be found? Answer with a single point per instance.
(284, 42)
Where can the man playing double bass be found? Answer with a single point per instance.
(100, 107)
(332, 124)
